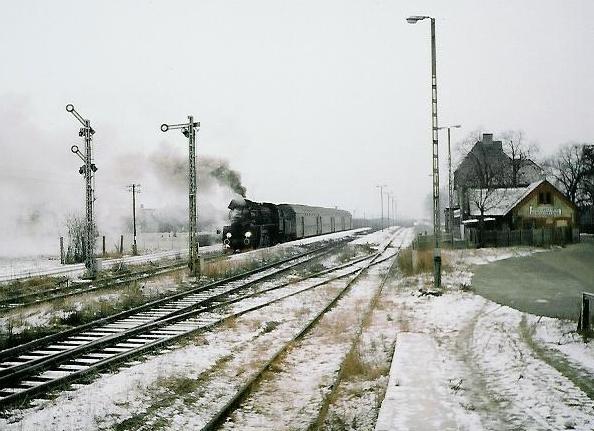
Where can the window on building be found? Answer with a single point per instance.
(545, 198)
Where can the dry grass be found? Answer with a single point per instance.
(424, 262)
(224, 268)
(355, 367)
(230, 323)
(302, 311)
(336, 327)
(31, 285)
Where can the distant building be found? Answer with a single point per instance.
(539, 205)
(487, 167)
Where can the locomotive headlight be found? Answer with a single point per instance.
(248, 234)
(228, 234)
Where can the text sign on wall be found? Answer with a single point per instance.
(545, 211)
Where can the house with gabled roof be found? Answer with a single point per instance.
(539, 205)
(487, 169)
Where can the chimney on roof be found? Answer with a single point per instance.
(487, 138)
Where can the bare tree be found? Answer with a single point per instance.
(568, 168)
(588, 184)
(75, 226)
(484, 173)
(521, 153)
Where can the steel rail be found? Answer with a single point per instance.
(317, 423)
(11, 352)
(116, 280)
(172, 322)
(111, 281)
(80, 267)
(242, 392)
(91, 340)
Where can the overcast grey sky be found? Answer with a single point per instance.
(314, 102)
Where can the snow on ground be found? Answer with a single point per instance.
(39, 315)
(119, 396)
(35, 268)
(330, 236)
(42, 314)
(290, 395)
(219, 360)
(561, 335)
(483, 256)
(475, 355)
(494, 377)
(378, 237)
(23, 267)
(415, 387)
(177, 389)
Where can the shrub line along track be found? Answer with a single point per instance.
(87, 352)
(245, 389)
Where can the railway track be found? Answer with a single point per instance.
(70, 269)
(223, 413)
(64, 288)
(41, 365)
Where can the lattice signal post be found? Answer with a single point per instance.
(88, 171)
(189, 131)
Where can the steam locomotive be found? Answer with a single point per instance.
(255, 224)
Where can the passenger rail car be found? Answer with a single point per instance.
(264, 224)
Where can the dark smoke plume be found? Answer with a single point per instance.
(172, 169)
(166, 174)
(228, 176)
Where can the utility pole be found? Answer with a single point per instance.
(189, 131)
(381, 187)
(88, 171)
(134, 188)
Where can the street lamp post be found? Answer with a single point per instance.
(434, 128)
(381, 187)
(450, 183)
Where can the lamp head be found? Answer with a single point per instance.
(415, 18)
(164, 127)
(70, 107)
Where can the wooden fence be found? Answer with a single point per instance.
(544, 237)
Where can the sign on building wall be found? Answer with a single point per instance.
(542, 211)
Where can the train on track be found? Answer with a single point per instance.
(255, 224)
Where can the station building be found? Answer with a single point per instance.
(539, 205)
